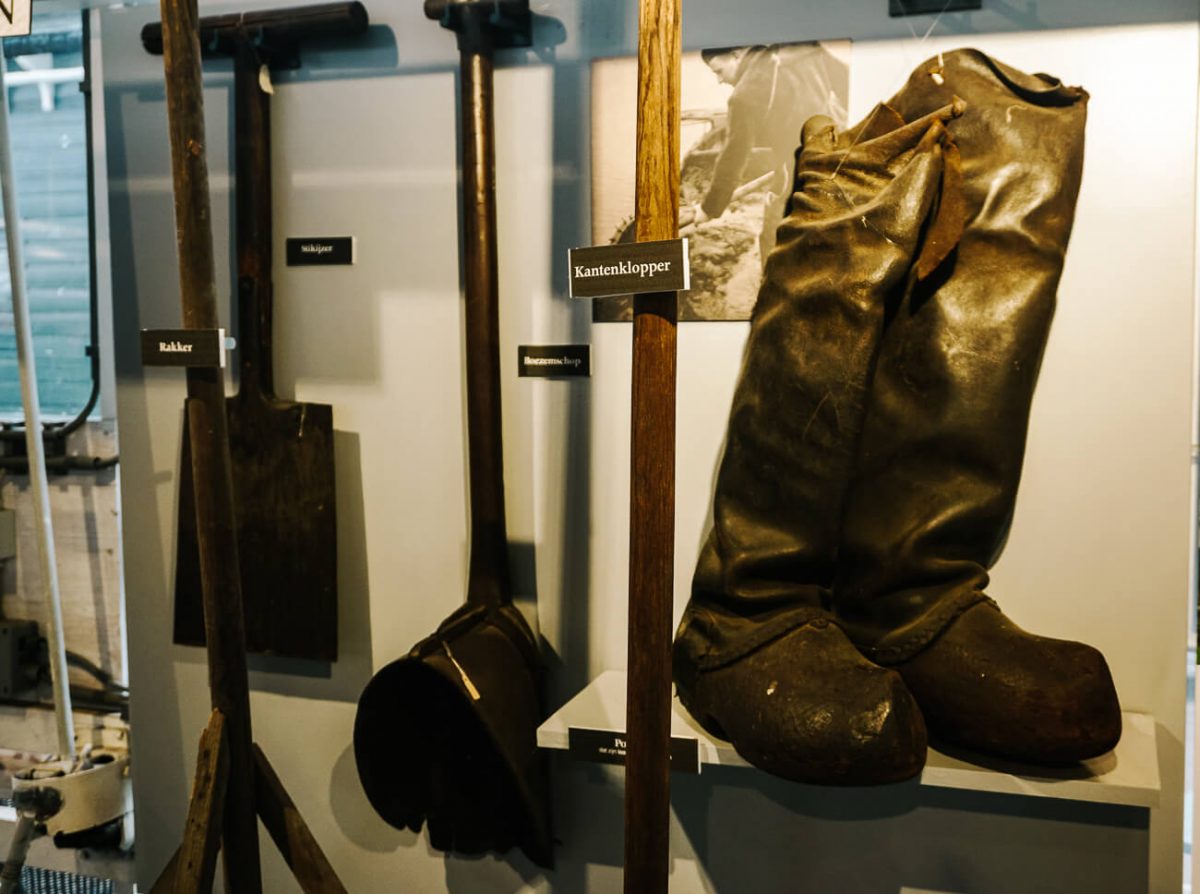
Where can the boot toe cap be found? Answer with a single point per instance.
(809, 708)
(988, 685)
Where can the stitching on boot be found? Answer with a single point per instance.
(764, 635)
(900, 652)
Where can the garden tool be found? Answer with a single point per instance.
(448, 733)
(759, 659)
(281, 450)
(944, 435)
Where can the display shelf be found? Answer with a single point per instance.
(1128, 775)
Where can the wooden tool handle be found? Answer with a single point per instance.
(488, 580)
(222, 35)
(652, 480)
(211, 468)
(252, 184)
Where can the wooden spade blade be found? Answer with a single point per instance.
(283, 487)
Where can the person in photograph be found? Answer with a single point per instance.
(775, 90)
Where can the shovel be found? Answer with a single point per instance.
(282, 451)
(448, 733)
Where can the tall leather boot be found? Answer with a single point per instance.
(759, 659)
(944, 435)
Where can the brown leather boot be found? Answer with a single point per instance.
(758, 658)
(944, 434)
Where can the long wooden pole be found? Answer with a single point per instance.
(488, 578)
(652, 503)
(211, 469)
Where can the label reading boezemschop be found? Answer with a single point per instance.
(312, 251)
(629, 269)
(183, 347)
(552, 361)
(605, 746)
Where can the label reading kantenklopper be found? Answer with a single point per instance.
(629, 269)
(553, 361)
(605, 746)
(313, 251)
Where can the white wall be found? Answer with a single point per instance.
(365, 145)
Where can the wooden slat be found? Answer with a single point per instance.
(197, 857)
(291, 836)
(215, 526)
(652, 503)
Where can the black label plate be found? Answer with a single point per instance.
(629, 269)
(553, 361)
(183, 347)
(314, 251)
(925, 7)
(606, 746)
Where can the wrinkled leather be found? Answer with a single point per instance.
(845, 251)
(989, 685)
(808, 707)
(944, 434)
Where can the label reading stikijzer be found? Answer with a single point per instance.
(313, 251)
(549, 361)
(629, 268)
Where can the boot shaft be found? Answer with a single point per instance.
(944, 433)
(846, 249)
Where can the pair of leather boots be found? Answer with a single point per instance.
(838, 614)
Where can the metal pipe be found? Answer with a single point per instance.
(44, 526)
(45, 76)
(37, 44)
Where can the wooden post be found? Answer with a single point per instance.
(295, 842)
(652, 503)
(219, 569)
(196, 862)
(488, 576)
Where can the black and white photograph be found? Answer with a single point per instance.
(743, 108)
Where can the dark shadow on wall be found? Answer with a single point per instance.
(570, 207)
(753, 832)
(588, 841)
(354, 815)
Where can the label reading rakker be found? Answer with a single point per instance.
(312, 251)
(183, 347)
(629, 269)
(554, 360)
